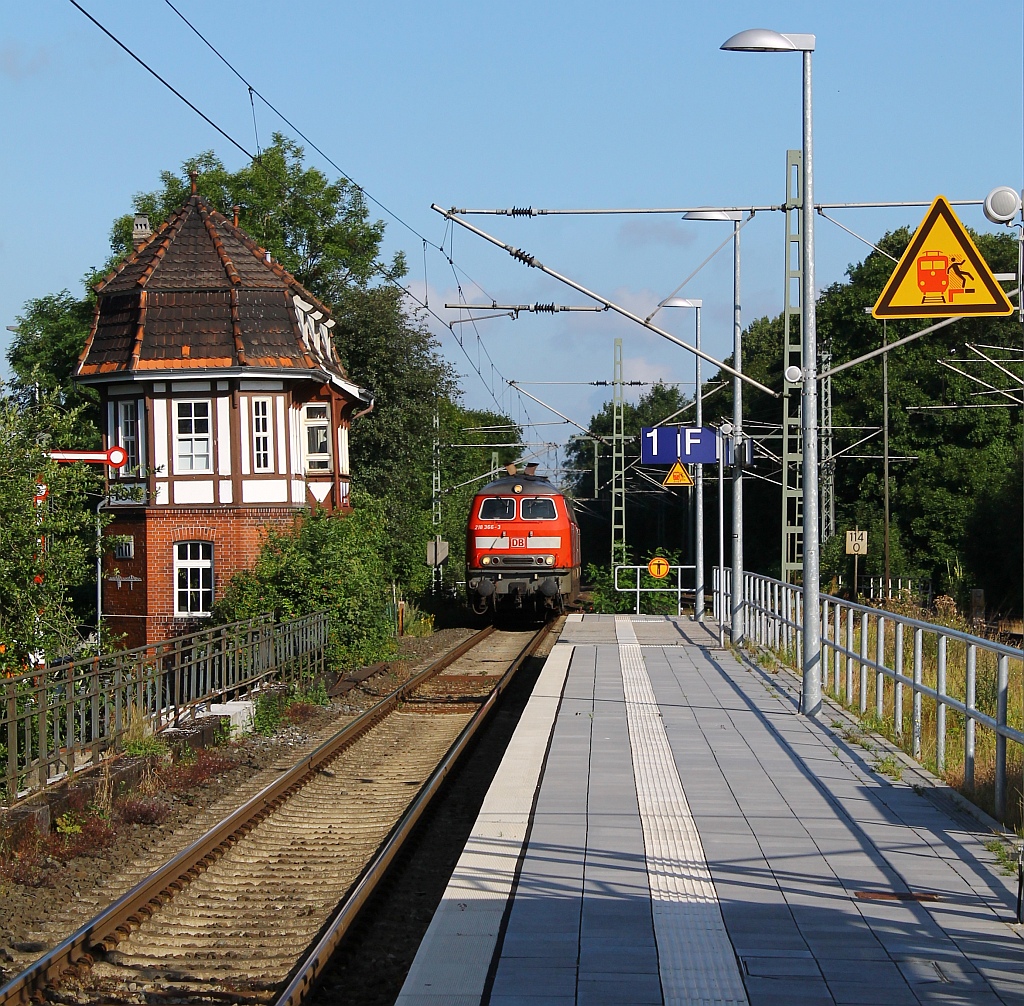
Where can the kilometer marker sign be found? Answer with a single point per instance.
(941, 274)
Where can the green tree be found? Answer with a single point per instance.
(47, 549)
(50, 336)
(317, 229)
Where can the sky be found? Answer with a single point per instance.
(544, 104)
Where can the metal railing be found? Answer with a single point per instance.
(678, 589)
(57, 720)
(870, 657)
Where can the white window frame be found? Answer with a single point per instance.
(263, 439)
(197, 565)
(128, 438)
(310, 423)
(530, 499)
(190, 438)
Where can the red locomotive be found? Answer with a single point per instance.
(522, 545)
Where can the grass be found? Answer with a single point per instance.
(891, 766)
(294, 704)
(1006, 855)
(843, 683)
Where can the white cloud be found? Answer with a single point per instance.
(17, 64)
(645, 232)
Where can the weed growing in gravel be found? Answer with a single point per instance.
(184, 776)
(141, 810)
(295, 705)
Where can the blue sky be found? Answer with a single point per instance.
(550, 104)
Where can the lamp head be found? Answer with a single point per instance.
(766, 40)
(1002, 204)
(682, 302)
(712, 214)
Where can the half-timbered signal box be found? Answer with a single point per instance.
(219, 378)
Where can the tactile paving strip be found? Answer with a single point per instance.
(696, 959)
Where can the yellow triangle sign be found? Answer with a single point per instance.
(941, 274)
(677, 476)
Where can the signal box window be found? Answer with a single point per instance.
(193, 436)
(128, 433)
(193, 578)
(262, 449)
(317, 422)
(539, 508)
(498, 508)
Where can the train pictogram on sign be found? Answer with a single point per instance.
(941, 274)
(677, 476)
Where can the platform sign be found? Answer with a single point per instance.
(941, 274)
(658, 567)
(677, 476)
(665, 445)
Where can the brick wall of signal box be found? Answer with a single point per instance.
(236, 534)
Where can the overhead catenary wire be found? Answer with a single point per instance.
(529, 260)
(252, 90)
(170, 87)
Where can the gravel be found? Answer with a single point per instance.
(34, 919)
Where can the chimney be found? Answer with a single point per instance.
(531, 470)
(236, 210)
(141, 231)
(511, 469)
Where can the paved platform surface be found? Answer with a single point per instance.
(665, 828)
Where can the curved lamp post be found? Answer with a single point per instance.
(766, 40)
(698, 556)
(736, 616)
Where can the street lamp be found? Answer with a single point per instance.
(765, 40)
(737, 612)
(698, 557)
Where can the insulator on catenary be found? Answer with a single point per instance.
(525, 257)
(521, 211)
(545, 308)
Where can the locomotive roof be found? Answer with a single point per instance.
(532, 485)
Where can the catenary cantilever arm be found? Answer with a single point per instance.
(531, 261)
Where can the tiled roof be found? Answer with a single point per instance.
(202, 294)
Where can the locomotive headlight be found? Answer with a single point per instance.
(485, 561)
(549, 560)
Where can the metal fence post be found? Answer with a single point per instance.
(863, 683)
(12, 742)
(880, 661)
(970, 700)
(1003, 688)
(918, 678)
(849, 656)
(897, 692)
(826, 650)
(940, 707)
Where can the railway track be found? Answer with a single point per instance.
(251, 912)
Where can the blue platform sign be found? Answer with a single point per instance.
(664, 445)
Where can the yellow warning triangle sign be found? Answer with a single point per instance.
(677, 476)
(941, 274)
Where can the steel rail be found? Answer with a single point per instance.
(310, 970)
(106, 930)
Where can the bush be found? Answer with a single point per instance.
(142, 810)
(324, 562)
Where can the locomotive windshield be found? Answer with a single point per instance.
(539, 508)
(498, 508)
